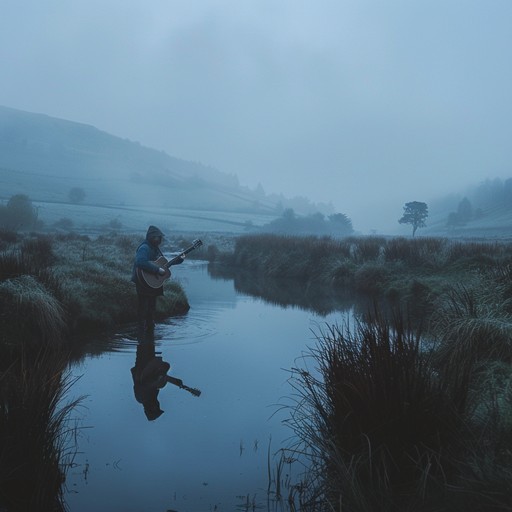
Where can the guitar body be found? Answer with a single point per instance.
(157, 280)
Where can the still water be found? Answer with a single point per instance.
(203, 453)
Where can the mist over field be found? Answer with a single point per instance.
(358, 107)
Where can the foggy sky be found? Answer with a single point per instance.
(365, 104)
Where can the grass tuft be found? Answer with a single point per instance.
(37, 432)
(30, 312)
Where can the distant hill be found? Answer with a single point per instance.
(44, 157)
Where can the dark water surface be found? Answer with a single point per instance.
(203, 453)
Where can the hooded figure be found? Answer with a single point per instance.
(147, 252)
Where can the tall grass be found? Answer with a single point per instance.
(345, 262)
(380, 427)
(37, 431)
(417, 251)
(391, 420)
(30, 312)
(474, 327)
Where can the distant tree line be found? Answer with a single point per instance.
(464, 214)
(490, 194)
(289, 223)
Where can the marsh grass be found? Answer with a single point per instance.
(37, 431)
(14, 263)
(417, 251)
(393, 421)
(462, 250)
(347, 262)
(39, 251)
(376, 420)
(474, 328)
(363, 250)
(30, 312)
(54, 287)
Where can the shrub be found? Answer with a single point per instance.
(76, 195)
(115, 224)
(19, 213)
(64, 223)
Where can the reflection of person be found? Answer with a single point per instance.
(150, 376)
(147, 253)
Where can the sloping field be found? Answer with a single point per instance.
(95, 218)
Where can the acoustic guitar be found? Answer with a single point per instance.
(157, 280)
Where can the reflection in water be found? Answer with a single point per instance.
(150, 375)
(321, 299)
(235, 344)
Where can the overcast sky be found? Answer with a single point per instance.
(365, 104)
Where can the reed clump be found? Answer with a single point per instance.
(375, 419)
(30, 312)
(37, 430)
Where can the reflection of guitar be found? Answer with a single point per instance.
(179, 383)
(155, 281)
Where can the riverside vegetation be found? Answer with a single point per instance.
(53, 290)
(410, 408)
(69, 284)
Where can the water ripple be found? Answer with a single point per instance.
(194, 327)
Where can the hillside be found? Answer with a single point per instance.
(125, 182)
(45, 157)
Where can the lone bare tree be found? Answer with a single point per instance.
(415, 214)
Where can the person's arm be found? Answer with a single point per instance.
(143, 262)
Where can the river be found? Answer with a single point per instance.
(203, 453)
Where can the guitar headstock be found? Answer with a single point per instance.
(197, 243)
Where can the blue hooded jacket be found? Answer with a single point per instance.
(146, 254)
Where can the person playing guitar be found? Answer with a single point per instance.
(147, 255)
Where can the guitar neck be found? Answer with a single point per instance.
(176, 259)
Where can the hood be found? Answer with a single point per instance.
(153, 231)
